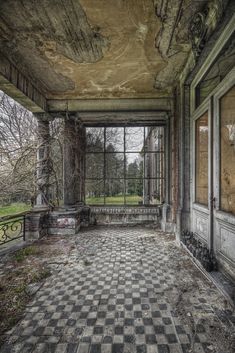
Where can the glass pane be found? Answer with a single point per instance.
(154, 165)
(134, 165)
(202, 159)
(114, 192)
(134, 139)
(114, 165)
(134, 192)
(94, 192)
(114, 139)
(227, 133)
(95, 139)
(154, 191)
(95, 165)
(154, 139)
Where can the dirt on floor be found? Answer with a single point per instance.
(199, 305)
(24, 271)
(195, 300)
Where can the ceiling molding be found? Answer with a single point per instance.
(96, 105)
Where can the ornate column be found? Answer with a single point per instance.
(43, 160)
(72, 161)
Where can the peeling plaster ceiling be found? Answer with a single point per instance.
(98, 48)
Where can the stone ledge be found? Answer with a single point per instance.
(126, 210)
(124, 215)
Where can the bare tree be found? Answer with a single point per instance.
(18, 151)
(18, 145)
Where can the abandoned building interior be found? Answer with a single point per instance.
(146, 93)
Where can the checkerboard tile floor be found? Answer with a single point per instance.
(115, 303)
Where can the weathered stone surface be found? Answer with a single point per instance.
(32, 288)
(36, 224)
(64, 222)
(126, 215)
(40, 34)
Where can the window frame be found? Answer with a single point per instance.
(125, 152)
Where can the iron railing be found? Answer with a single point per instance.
(11, 228)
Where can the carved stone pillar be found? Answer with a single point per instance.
(43, 160)
(73, 162)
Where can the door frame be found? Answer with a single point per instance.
(213, 226)
(217, 227)
(224, 222)
(201, 214)
(223, 88)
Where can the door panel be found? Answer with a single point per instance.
(224, 175)
(227, 152)
(213, 173)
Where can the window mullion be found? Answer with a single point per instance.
(104, 171)
(124, 165)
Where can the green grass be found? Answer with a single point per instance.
(114, 200)
(13, 209)
(21, 254)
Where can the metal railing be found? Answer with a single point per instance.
(12, 227)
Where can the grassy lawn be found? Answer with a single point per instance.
(13, 209)
(114, 200)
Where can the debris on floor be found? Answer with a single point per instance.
(122, 290)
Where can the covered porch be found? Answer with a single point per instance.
(154, 65)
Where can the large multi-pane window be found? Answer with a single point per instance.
(125, 165)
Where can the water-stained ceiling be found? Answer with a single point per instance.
(98, 48)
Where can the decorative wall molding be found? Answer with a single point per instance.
(201, 225)
(125, 210)
(204, 23)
